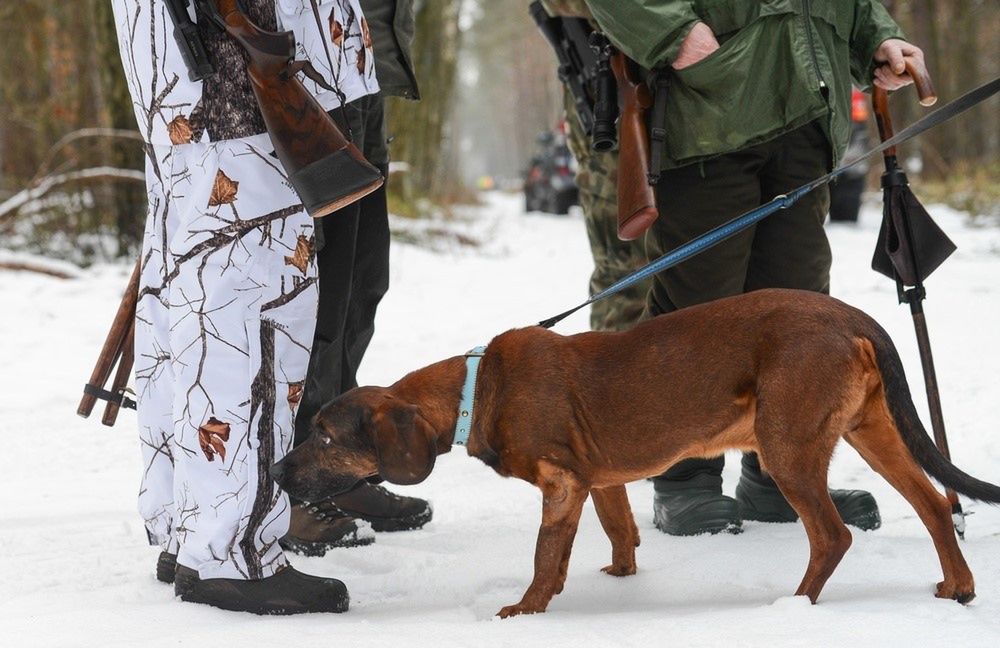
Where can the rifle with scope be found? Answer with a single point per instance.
(612, 100)
(584, 72)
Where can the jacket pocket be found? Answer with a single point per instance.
(725, 17)
(747, 91)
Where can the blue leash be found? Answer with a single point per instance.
(726, 230)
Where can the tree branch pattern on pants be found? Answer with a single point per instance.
(224, 326)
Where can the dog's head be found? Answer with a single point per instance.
(366, 432)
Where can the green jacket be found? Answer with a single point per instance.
(391, 23)
(781, 64)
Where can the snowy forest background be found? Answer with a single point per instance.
(76, 569)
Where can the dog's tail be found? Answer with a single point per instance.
(919, 443)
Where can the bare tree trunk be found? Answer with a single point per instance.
(421, 130)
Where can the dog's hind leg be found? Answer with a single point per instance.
(800, 473)
(562, 502)
(615, 513)
(878, 441)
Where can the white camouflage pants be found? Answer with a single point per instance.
(224, 324)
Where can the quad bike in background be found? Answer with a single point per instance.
(550, 180)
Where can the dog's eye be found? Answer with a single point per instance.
(325, 440)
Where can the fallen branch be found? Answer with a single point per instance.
(40, 265)
(80, 134)
(45, 185)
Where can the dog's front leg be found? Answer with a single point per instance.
(615, 514)
(562, 502)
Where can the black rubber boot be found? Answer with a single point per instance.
(286, 592)
(316, 528)
(166, 565)
(385, 510)
(760, 500)
(688, 500)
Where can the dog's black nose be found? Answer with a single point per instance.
(277, 471)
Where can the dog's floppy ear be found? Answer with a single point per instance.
(404, 444)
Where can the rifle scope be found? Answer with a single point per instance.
(605, 131)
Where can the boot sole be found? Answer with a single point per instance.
(720, 520)
(867, 521)
(319, 549)
(712, 527)
(192, 590)
(864, 522)
(390, 524)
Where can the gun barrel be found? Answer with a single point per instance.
(569, 38)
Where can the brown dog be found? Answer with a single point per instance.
(783, 373)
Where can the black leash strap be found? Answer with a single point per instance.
(722, 232)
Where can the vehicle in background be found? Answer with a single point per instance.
(550, 180)
(845, 191)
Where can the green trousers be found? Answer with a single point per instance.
(786, 250)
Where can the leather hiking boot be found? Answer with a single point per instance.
(760, 500)
(694, 506)
(286, 592)
(385, 510)
(316, 528)
(166, 565)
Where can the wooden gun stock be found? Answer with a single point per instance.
(325, 168)
(636, 198)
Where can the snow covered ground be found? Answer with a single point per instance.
(75, 569)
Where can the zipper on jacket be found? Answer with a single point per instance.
(812, 46)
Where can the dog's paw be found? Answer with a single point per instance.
(520, 608)
(960, 593)
(619, 570)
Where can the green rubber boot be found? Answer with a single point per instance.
(694, 506)
(760, 500)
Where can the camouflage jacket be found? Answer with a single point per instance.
(781, 64)
(172, 109)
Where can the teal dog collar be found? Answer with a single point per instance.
(464, 425)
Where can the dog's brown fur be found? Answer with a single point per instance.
(783, 373)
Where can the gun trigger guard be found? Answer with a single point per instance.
(306, 68)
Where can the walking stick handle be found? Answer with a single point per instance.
(880, 100)
(922, 80)
(114, 343)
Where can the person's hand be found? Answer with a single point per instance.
(891, 56)
(699, 43)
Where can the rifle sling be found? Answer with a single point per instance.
(657, 134)
(119, 399)
(722, 232)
